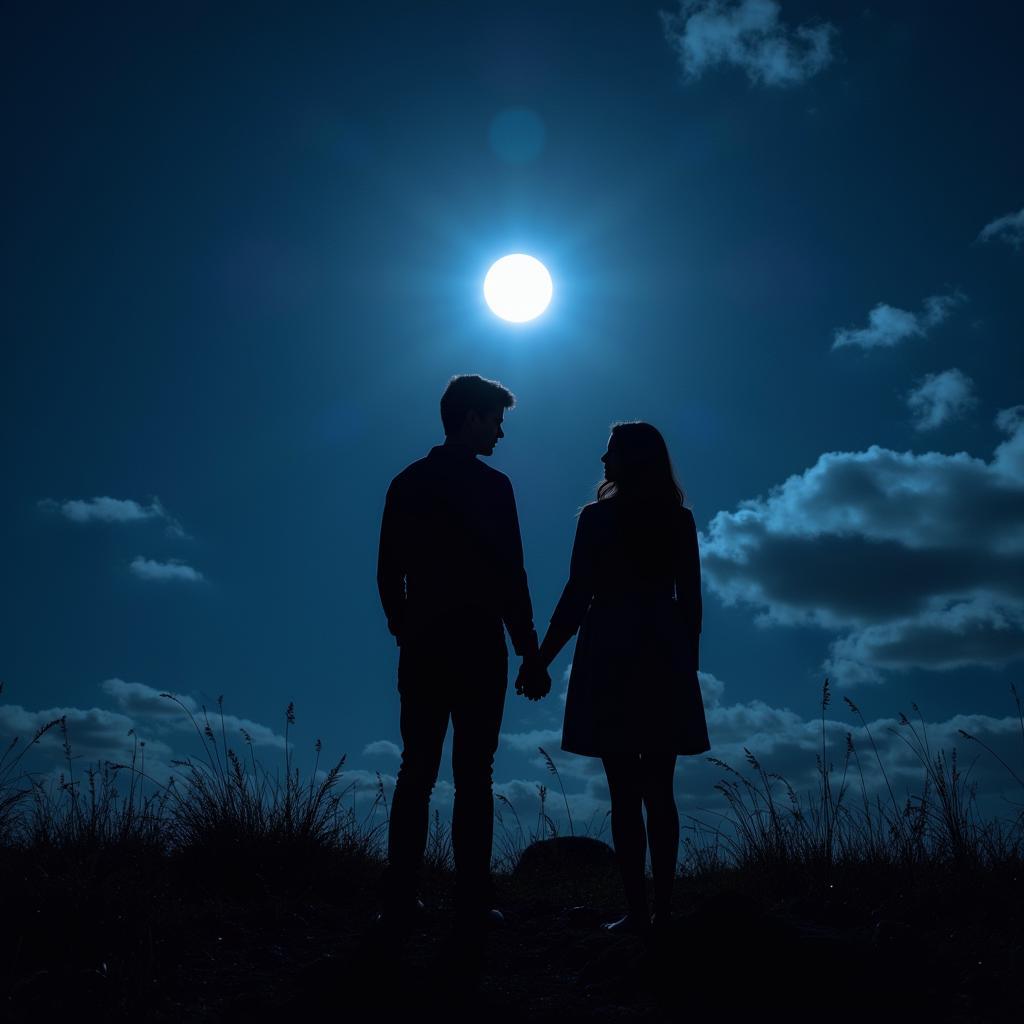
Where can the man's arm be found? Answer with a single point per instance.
(517, 609)
(688, 590)
(390, 564)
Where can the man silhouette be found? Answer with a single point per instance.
(450, 574)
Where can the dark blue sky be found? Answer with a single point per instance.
(243, 252)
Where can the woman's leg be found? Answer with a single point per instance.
(625, 783)
(657, 772)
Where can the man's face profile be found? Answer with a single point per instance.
(484, 431)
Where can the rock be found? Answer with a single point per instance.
(563, 858)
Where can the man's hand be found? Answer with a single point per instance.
(533, 681)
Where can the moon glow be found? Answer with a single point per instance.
(518, 288)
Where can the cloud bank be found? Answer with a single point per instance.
(889, 325)
(941, 397)
(917, 559)
(747, 34)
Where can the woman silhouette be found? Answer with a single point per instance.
(634, 699)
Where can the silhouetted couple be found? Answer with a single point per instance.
(451, 579)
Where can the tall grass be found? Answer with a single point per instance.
(225, 802)
(91, 812)
(769, 827)
(218, 803)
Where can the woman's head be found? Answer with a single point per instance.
(637, 464)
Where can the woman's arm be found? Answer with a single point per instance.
(579, 589)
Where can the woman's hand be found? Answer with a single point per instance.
(533, 681)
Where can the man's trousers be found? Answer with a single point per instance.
(468, 686)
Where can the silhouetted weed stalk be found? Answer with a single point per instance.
(777, 831)
(513, 838)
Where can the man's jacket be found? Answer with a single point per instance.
(450, 563)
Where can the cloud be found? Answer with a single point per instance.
(113, 510)
(711, 689)
(382, 748)
(95, 735)
(918, 559)
(982, 630)
(747, 34)
(941, 397)
(1009, 229)
(528, 742)
(888, 325)
(162, 711)
(147, 569)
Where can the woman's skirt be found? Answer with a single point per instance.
(633, 686)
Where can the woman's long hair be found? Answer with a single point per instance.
(646, 472)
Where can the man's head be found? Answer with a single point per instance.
(472, 409)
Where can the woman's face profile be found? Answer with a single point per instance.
(612, 460)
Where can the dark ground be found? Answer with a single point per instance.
(244, 937)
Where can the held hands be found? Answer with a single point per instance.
(533, 681)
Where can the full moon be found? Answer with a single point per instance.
(518, 288)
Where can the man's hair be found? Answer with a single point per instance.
(469, 391)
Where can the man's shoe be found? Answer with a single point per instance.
(478, 920)
(661, 923)
(398, 916)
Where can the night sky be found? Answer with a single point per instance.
(244, 252)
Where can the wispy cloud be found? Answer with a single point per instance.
(941, 397)
(887, 548)
(1009, 229)
(148, 569)
(113, 510)
(748, 34)
(889, 325)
